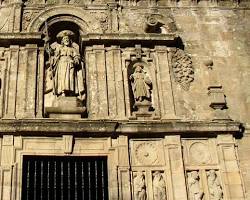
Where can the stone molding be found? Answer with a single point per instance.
(85, 127)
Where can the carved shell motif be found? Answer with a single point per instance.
(182, 68)
(146, 153)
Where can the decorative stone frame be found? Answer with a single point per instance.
(15, 147)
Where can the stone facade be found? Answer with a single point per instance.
(160, 88)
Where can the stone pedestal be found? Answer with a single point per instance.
(143, 110)
(66, 108)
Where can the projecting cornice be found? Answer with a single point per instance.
(51, 127)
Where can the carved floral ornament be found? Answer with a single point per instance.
(182, 68)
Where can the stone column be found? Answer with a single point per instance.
(113, 168)
(230, 172)
(40, 84)
(173, 156)
(6, 169)
(3, 64)
(164, 82)
(124, 169)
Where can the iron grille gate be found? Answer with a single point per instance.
(64, 178)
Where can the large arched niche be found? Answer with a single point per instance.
(86, 22)
(53, 23)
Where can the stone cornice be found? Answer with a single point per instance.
(84, 127)
(24, 38)
(129, 37)
(19, 38)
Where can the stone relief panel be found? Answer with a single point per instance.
(214, 185)
(195, 190)
(159, 186)
(182, 66)
(200, 152)
(139, 186)
(28, 16)
(104, 20)
(204, 184)
(149, 184)
(146, 22)
(147, 153)
(5, 16)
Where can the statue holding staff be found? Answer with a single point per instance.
(66, 70)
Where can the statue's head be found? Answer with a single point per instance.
(66, 40)
(138, 68)
(195, 175)
(65, 37)
(212, 174)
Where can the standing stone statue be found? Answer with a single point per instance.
(139, 186)
(140, 84)
(159, 186)
(215, 188)
(195, 191)
(65, 66)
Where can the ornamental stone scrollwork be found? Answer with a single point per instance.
(182, 68)
(214, 186)
(28, 16)
(199, 153)
(66, 76)
(157, 23)
(195, 191)
(146, 153)
(139, 186)
(159, 186)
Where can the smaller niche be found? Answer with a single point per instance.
(140, 90)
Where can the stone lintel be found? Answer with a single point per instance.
(101, 128)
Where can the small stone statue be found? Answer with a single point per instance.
(139, 186)
(140, 84)
(65, 66)
(195, 191)
(159, 186)
(215, 188)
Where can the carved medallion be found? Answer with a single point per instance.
(199, 153)
(146, 153)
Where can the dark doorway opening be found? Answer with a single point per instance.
(64, 178)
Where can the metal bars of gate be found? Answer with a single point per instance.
(64, 178)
